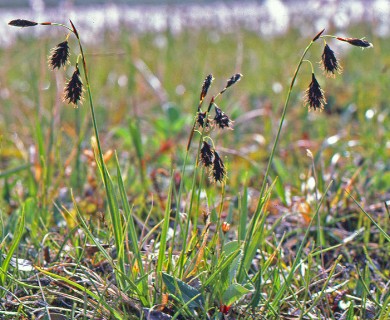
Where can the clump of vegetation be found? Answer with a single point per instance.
(204, 249)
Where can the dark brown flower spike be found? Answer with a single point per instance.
(357, 42)
(59, 55)
(218, 172)
(74, 88)
(318, 35)
(232, 80)
(22, 23)
(206, 85)
(221, 119)
(315, 95)
(235, 78)
(206, 154)
(330, 64)
(201, 118)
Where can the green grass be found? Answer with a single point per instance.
(141, 233)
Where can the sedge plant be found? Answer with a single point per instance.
(210, 272)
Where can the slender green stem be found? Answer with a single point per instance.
(311, 65)
(263, 186)
(117, 232)
(78, 152)
(92, 109)
(186, 230)
(260, 203)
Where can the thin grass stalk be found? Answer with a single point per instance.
(178, 203)
(17, 237)
(6, 173)
(187, 227)
(385, 312)
(297, 260)
(179, 312)
(186, 230)
(324, 287)
(137, 141)
(115, 314)
(78, 151)
(164, 236)
(114, 211)
(178, 198)
(320, 233)
(115, 217)
(133, 236)
(118, 234)
(261, 201)
(251, 247)
(366, 278)
(383, 232)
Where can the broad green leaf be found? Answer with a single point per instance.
(234, 292)
(184, 291)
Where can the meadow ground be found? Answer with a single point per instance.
(147, 233)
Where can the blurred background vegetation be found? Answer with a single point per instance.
(155, 77)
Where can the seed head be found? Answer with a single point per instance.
(201, 118)
(59, 55)
(74, 88)
(315, 95)
(232, 80)
(235, 78)
(357, 42)
(221, 119)
(206, 85)
(206, 154)
(218, 172)
(330, 64)
(318, 35)
(22, 23)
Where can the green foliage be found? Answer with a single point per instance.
(18, 233)
(145, 231)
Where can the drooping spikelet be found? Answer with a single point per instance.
(206, 154)
(315, 95)
(74, 88)
(59, 55)
(202, 120)
(218, 172)
(221, 119)
(330, 64)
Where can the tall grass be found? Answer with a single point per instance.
(172, 250)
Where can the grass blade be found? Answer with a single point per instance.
(17, 237)
(383, 232)
(133, 235)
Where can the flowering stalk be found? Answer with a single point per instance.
(206, 155)
(260, 204)
(262, 190)
(330, 64)
(73, 91)
(315, 98)
(314, 95)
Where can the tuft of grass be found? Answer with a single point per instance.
(163, 228)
